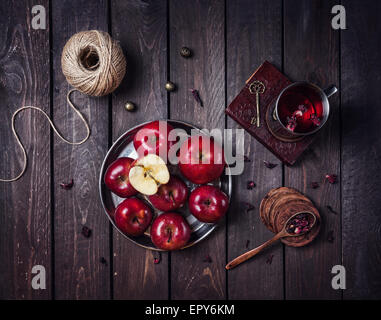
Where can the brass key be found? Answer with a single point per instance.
(257, 88)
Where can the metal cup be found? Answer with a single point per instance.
(324, 95)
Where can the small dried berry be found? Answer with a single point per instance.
(86, 232)
(170, 86)
(129, 106)
(269, 164)
(103, 261)
(185, 52)
(250, 185)
(332, 178)
(67, 186)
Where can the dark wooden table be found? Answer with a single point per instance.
(41, 223)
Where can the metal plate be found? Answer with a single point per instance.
(123, 147)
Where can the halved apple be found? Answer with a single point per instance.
(148, 173)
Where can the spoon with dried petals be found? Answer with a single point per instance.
(298, 224)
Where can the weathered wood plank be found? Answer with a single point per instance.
(141, 28)
(25, 236)
(199, 25)
(311, 52)
(361, 149)
(78, 271)
(254, 34)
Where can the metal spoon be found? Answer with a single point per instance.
(283, 233)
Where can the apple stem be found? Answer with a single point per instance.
(171, 197)
(136, 220)
(170, 236)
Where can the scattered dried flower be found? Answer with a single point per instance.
(246, 159)
(247, 244)
(269, 164)
(250, 185)
(331, 210)
(86, 232)
(67, 186)
(103, 261)
(302, 108)
(315, 119)
(196, 96)
(249, 207)
(291, 123)
(270, 259)
(207, 259)
(314, 185)
(330, 237)
(332, 178)
(157, 259)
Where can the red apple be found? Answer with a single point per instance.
(197, 163)
(208, 203)
(153, 138)
(170, 196)
(170, 231)
(133, 216)
(117, 180)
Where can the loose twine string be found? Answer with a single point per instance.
(25, 158)
(94, 64)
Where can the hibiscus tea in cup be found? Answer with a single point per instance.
(302, 108)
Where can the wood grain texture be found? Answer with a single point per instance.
(141, 28)
(361, 150)
(78, 271)
(25, 237)
(254, 34)
(199, 25)
(311, 52)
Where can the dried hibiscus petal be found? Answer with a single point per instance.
(67, 186)
(207, 259)
(246, 159)
(330, 237)
(314, 185)
(315, 119)
(249, 207)
(298, 224)
(270, 259)
(269, 164)
(331, 210)
(157, 259)
(291, 123)
(103, 261)
(86, 232)
(250, 185)
(332, 178)
(196, 96)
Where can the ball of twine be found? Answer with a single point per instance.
(93, 62)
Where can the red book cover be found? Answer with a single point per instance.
(243, 108)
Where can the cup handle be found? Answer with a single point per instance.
(331, 90)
